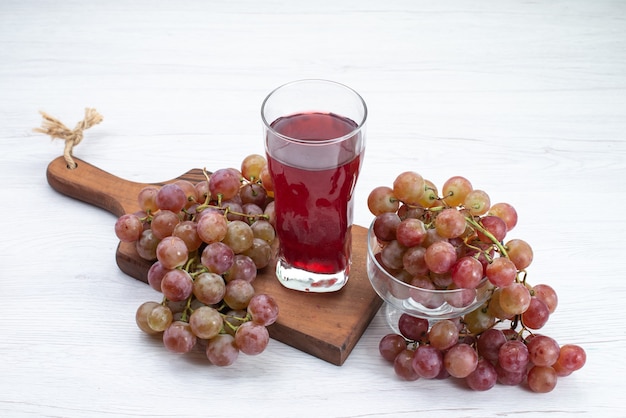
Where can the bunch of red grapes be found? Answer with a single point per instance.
(456, 240)
(207, 240)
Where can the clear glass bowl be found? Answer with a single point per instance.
(401, 297)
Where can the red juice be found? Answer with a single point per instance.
(313, 192)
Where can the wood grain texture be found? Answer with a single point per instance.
(327, 326)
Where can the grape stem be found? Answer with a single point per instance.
(228, 211)
(479, 251)
(237, 318)
(189, 263)
(187, 311)
(488, 234)
(147, 218)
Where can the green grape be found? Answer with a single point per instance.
(252, 165)
(146, 245)
(239, 236)
(205, 322)
(238, 294)
(141, 317)
(260, 252)
(263, 229)
(479, 320)
(381, 200)
(430, 196)
(209, 288)
(477, 202)
(408, 187)
(455, 189)
(160, 317)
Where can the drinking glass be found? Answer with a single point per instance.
(314, 140)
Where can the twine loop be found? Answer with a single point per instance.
(72, 137)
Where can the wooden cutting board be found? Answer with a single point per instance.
(325, 325)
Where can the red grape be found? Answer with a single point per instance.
(543, 350)
(391, 345)
(484, 377)
(413, 328)
(440, 257)
(171, 197)
(541, 379)
(252, 338)
(467, 273)
(428, 361)
(460, 360)
(403, 365)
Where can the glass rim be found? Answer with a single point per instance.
(372, 238)
(360, 124)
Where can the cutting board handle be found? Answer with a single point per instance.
(94, 186)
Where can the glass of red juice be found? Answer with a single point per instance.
(314, 140)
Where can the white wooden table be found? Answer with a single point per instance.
(526, 99)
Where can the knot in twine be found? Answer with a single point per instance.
(72, 137)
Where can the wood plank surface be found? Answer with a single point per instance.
(325, 325)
